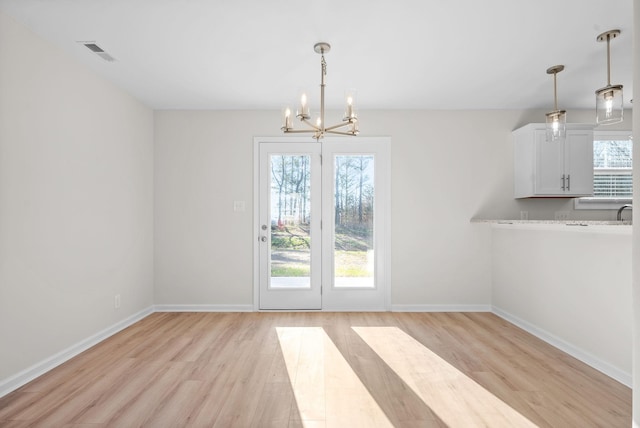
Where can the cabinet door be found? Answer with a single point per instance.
(549, 170)
(578, 163)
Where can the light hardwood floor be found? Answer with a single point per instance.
(320, 370)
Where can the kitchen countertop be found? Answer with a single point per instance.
(561, 226)
(556, 222)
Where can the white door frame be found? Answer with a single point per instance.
(383, 182)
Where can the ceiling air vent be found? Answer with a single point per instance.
(98, 51)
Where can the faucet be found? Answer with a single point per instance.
(619, 217)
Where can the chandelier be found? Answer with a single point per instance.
(319, 128)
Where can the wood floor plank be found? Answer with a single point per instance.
(242, 400)
(176, 408)
(82, 399)
(230, 377)
(274, 406)
(320, 370)
(122, 394)
(145, 405)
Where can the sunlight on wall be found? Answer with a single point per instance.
(327, 391)
(454, 397)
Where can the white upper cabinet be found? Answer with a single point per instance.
(553, 169)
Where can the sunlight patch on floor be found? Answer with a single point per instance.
(327, 390)
(457, 399)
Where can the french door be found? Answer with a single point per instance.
(322, 224)
(289, 226)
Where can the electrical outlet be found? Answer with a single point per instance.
(562, 215)
(524, 215)
(116, 302)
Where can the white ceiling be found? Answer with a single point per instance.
(414, 54)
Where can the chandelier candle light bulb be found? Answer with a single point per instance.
(349, 107)
(349, 112)
(287, 118)
(303, 113)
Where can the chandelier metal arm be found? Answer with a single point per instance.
(310, 124)
(350, 133)
(340, 125)
(297, 131)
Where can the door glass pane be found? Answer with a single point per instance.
(353, 255)
(290, 222)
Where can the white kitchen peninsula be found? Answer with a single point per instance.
(569, 284)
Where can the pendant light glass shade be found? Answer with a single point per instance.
(556, 125)
(609, 100)
(609, 107)
(557, 119)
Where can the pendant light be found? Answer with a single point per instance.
(557, 119)
(609, 107)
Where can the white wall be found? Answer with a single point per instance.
(204, 162)
(571, 286)
(76, 207)
(446, 167)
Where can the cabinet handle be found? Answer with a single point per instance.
(568, 181)
(562, 181)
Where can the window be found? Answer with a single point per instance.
(612, 163)
(612, 171)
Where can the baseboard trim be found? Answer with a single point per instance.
(203, 308)
(587, 358)
(27, 375)
(440, 308)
